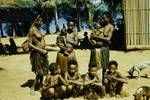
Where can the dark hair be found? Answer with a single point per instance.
(72, 62)
(71, 21)
(107, 14)
(92, 64)
(113, 63)
(53, 67)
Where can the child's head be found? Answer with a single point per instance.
(54, 68)
(72, 66)
(92, 69)
(71, 25)
(113, 66)
(85, 33)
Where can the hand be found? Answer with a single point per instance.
(67, 40)
(113, 77)
(44, 52)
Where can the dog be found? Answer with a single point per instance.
(138, 68)
(142, 93)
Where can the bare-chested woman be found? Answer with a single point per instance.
(107, 31)
(38, 54)
(66, 52)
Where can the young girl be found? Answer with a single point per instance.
(54, 85)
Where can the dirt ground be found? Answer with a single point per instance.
(16, 76)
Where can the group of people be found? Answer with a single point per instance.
(62, 77)
(8, 49)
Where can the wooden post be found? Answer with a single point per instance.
(1, 29)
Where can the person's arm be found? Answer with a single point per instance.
(87, 81)
(60, 44)
(31, 34)
(77, 82)
(46, 83)
(120, 78)
(63, 80)
(99, 80)
(74, 41)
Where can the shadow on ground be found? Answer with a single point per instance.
(29, 84)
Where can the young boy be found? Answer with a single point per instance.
(113, 79)
(54, 84)
(73, 78)
(93, 83)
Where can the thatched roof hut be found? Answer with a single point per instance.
(17, 10)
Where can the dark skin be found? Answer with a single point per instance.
(37, 43)
(53, 80)
(108, 30)
(115, 75)
(72, 37)
(34, 35)
(72, 72)
(92, 74)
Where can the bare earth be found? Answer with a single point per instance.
(15, 71)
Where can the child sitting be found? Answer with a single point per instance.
(93, 83)
(54, 84)
(62, 43)
(113, 79)
(73, 78)
(85, 42)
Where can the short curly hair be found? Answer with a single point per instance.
(113, 62)
(72, 62)
(53, 67)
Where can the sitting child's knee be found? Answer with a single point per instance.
(51, 91)
(63, 88)
(105, 81)
(70, 87)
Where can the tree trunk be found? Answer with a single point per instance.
(2, 34)
(56, 22)
(90, 17)
(12, 30)
(47, 24)
(79, 21)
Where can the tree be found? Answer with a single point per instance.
(47, 6)
(2, 34)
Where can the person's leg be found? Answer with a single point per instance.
(100, 90)
(119, 86)
(51, 92)
(62, 91)
(104, 60)
(69, 90)
(107, 85)
(32, 91)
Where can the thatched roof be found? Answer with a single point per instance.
(17, 3)
(18, 10)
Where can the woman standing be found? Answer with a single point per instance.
(38, 54)
(104, 41)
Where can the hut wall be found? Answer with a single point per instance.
(137, 24)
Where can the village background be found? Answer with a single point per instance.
(15, 70)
